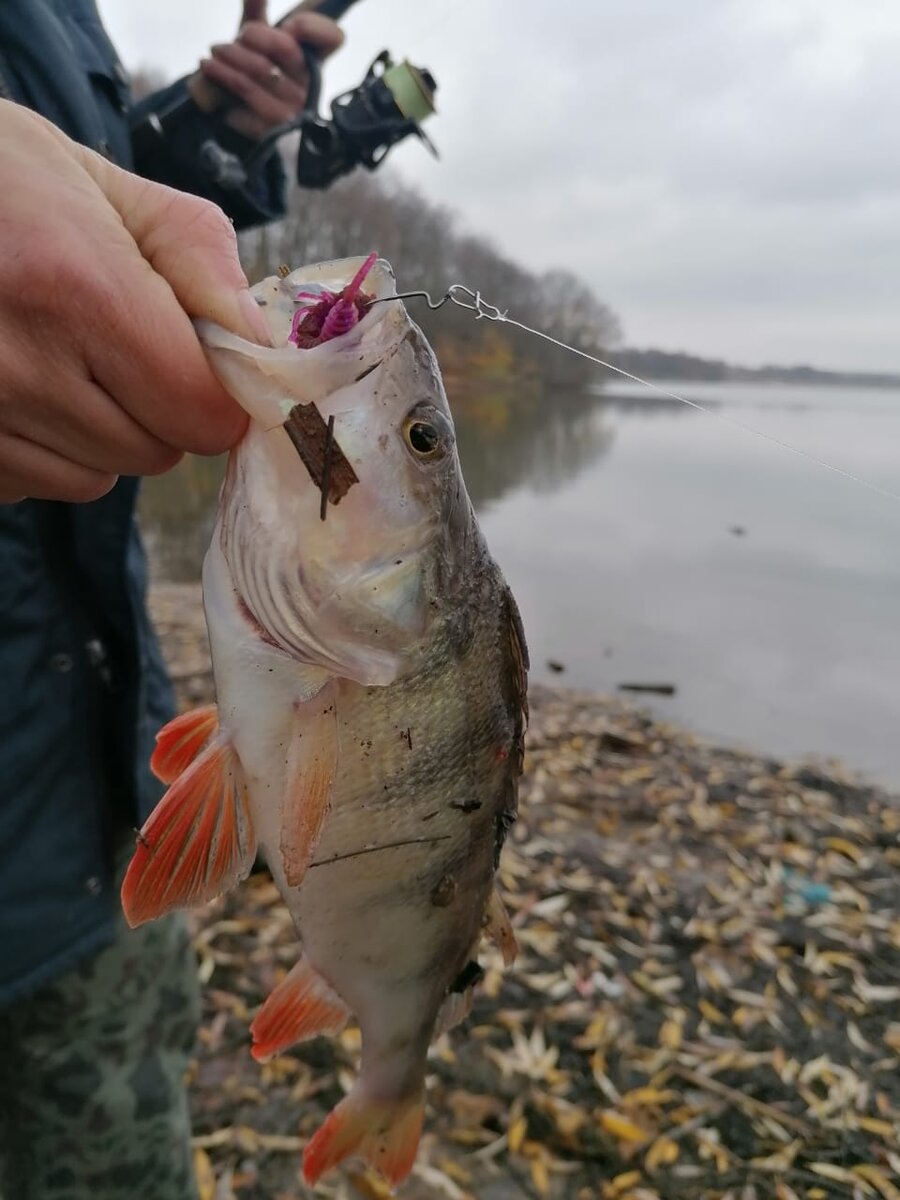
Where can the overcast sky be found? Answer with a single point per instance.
(725, 173)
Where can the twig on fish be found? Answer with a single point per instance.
(326, 468)
(325, 862)
(320, 452)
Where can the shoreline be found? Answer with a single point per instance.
(706, 999)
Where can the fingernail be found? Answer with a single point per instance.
(254, 319)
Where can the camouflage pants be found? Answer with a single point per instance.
(92, 1097)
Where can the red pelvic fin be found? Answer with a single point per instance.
(312, 765)
(385, 1133)
(198, 841)
(179, 742)
(303, 1006)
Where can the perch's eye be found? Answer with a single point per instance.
(423, 438)
(427, 433)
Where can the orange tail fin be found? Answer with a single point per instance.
(179, 742)
(384, 1132)
(303, 1006)
(198, 841)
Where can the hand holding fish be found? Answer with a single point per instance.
(265, 69)
(101, 372)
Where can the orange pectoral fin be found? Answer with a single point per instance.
(179, 742)
(197, 842)
(303, 1006)
(312, 765)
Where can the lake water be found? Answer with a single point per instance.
(650, 543)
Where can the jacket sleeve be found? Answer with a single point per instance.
(175, 159)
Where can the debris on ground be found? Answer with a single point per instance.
(706, 1002)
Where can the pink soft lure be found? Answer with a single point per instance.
(333, 313)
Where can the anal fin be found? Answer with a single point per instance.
(179, 742)
(302, 1006)
(198, 841)
(311, 768)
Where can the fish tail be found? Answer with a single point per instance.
(383, 1132)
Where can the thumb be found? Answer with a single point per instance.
(191, 244)
(253, 10)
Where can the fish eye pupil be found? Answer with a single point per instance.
(423, 438)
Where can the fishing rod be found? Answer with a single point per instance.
(366, 122)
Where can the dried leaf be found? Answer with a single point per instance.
(620, 1127)
(663, 1152)
(204, 1174)
(516, 1134)
(874, 1175)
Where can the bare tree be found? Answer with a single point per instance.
(422, 241)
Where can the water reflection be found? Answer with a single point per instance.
(507, 437)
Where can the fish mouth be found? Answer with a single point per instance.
(269, 381)
(290, 296)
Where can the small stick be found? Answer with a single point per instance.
(326, 468)
(739, 1100)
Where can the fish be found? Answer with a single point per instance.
(370, 673)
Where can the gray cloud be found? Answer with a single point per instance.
(725, 172)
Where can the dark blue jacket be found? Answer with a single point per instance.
(84, 689)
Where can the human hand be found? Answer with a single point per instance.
(265, 68)
(101, 372)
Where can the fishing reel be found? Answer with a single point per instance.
(366, 122)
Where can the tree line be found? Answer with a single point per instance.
(429, 250)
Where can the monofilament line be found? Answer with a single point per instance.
(464, 297)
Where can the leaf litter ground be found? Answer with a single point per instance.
(706, 1001)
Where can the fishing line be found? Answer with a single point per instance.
(464, 297)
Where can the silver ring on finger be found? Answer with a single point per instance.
(275, 76)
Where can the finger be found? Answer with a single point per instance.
(177, 259)
(32, 471)
(312, 29)
(264, 72)
(190, 243)
(253, 10)
(262, 102)
(91, 430)
(277, 46)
